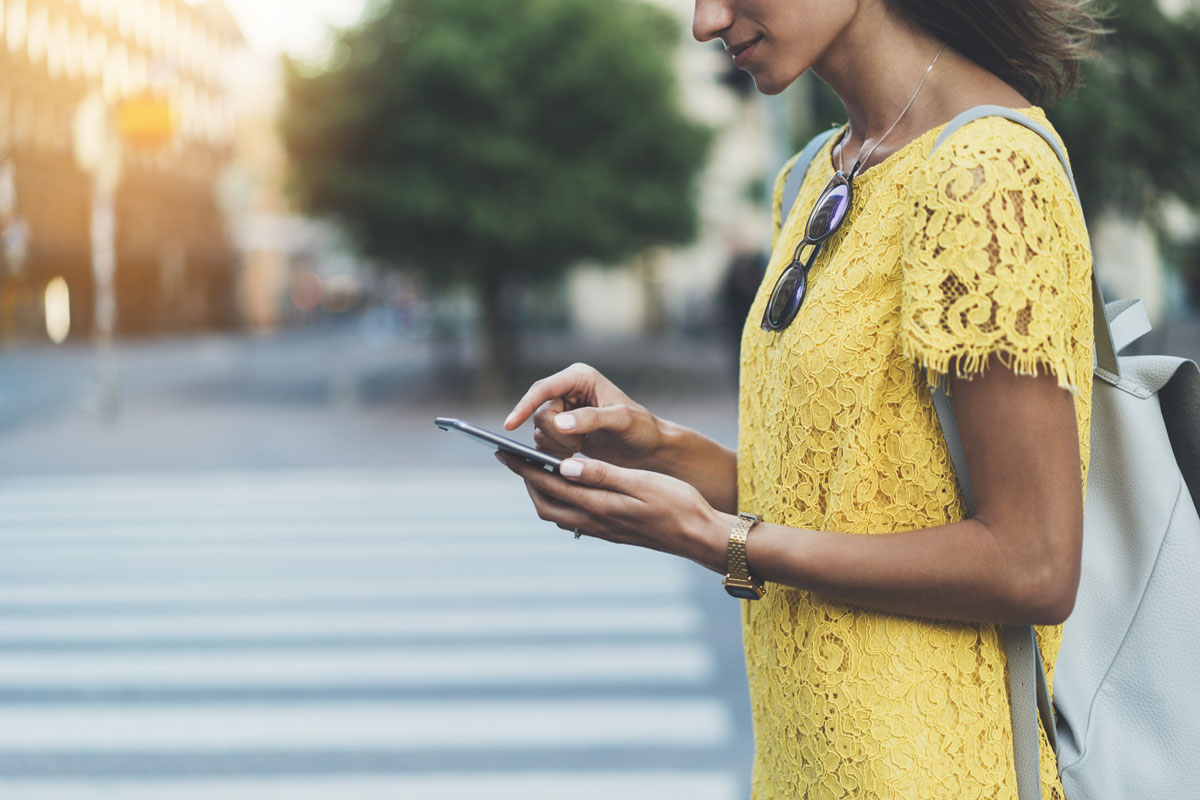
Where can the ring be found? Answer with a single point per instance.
(578, 533)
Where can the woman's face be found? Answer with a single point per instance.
(773, 40)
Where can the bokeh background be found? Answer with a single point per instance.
(252, 247)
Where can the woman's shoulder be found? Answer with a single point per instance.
(994, 153)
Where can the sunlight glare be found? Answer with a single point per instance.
(58, 310)
(296, 27)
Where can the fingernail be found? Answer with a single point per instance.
(509, 419)
(565, 422)
(570, 468)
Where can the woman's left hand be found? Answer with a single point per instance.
(627, 506)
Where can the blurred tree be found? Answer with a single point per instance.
(1133, 129)
(480, 141)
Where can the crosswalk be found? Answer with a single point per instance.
(347, 634)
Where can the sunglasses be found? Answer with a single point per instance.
(823, 222)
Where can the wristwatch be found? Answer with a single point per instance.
(737, 576)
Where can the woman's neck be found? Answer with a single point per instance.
(875, 67)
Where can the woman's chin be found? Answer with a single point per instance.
(769, 83)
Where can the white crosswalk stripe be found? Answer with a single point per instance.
(342, 634)
(666, 619)
(541, 785)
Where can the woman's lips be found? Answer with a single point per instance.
(742, 53)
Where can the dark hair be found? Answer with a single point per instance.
(1035, 46)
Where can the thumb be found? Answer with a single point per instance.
(599, 474)
(590, 419)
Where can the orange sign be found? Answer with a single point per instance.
(145, 121)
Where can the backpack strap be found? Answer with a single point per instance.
(1026, 674)
(1128, 321)
(798, 170)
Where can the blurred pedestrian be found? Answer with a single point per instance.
(874, 662)
(740, 285)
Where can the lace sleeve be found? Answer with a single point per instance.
(996, 259)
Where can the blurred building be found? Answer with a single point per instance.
(292, 268)
(118, 111)
(681, 287)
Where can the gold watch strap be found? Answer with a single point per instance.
(735, 554)
(738, 582)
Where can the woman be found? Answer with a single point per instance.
(874, 664)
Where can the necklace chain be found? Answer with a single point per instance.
(860, 159)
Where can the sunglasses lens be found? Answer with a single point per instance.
(786, 299)
(830, 211)
(825, 218)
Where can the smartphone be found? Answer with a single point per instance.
(498, 442)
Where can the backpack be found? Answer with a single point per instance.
(1125, 717)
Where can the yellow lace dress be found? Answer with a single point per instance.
(944, 260)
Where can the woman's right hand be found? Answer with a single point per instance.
(578, 410)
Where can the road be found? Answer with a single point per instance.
(264, 581)
(271, 577)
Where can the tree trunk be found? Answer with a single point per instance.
(495, 374)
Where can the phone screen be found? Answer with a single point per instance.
(498, 442)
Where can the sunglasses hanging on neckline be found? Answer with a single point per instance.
(824, 220)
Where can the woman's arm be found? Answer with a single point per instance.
(695, 459)
(578, 410)
(1016, 561)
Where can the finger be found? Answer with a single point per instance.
(582, 421)
(562, 514)
(600, 475)
(591, 500)
(575, 378)
(575, 520)
(557, 446)
(545, 435)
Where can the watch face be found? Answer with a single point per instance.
(744, 592)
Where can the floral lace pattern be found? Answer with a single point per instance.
(978, 250)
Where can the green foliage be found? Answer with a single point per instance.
(1133, 130)
(460, 137)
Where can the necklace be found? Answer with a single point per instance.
(860, 159)
(826, 217)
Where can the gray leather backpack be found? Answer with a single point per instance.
(1125, 717)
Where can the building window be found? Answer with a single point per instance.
(126, 10)
(141, 23)
(154, 26)
(77, 52)
(116, 72)
(97, 55)
(17, 20)
(108, 12)
(169, 31)
(57, 46)
(139, 72)
(37, 34)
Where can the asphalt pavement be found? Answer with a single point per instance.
(269, 575)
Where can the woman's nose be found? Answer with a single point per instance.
(711, 17)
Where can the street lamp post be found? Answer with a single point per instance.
(98, 152)
(14, 248)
